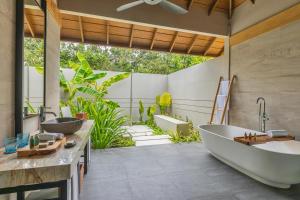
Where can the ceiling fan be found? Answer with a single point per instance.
(163, 3)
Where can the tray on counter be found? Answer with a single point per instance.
(260, 139)
(27, 152)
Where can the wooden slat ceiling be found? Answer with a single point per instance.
(221, 5)
(103, 32)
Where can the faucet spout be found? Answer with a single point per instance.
(42, 116)
(262, 115)
(53, 113)
(261, 99)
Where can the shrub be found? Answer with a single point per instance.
(193, 136)
(156, 130)
(164, 102)
(141, 110)
(151, 111)
(107, 125)
(123, 142)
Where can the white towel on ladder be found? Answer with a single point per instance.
(221, 100)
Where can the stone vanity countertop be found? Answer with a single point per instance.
(47, 168)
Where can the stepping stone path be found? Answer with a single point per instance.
(143, 136)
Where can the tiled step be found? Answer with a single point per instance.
(152, 142)
(152, 137)
(138, 128)
(141, 134)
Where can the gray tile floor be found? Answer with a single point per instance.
(171, 172)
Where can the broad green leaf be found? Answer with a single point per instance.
(111, 103)
(73, 65)
(80, 56)
(79, 76)
(113, 80)
(95, 77)
(87, 68)
(63, 81)
(90, 91)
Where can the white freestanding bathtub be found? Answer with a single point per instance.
(273, 163)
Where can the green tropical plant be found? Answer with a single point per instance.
(151, 111)
(84, 82)
(141, 110)
(107, 125)
(165, 102)
(192, 136)
(165, 99)
(178, 138)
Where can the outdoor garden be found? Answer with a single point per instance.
(85, 92)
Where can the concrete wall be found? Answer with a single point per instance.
(145, 87)
(248, 14)
(193, 89)
(52, 64)
(268, 66)
(7, 65)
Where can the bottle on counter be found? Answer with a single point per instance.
(31, 142)
(36, 140)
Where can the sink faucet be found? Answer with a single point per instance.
(262, 115)
(42, 116)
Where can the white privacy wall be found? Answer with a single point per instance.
(193, 89)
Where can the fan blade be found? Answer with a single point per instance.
(172, 7)
(130, 5)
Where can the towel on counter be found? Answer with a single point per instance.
(277, 133)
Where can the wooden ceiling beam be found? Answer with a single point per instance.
(189, 5)
(81, 29)
(212, 7)
(192, 44)
(173, 41)
(30, 27)
(131, 36)
(209, 46)
(221, 52)
(107, 32)
(153, 39)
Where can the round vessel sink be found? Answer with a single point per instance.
(66, 125)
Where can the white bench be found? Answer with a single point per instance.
(170, 124)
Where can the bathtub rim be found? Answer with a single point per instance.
(253, 146)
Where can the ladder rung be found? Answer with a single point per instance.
(226, 102)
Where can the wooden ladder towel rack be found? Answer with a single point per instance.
(215, 101)
(227, 100)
